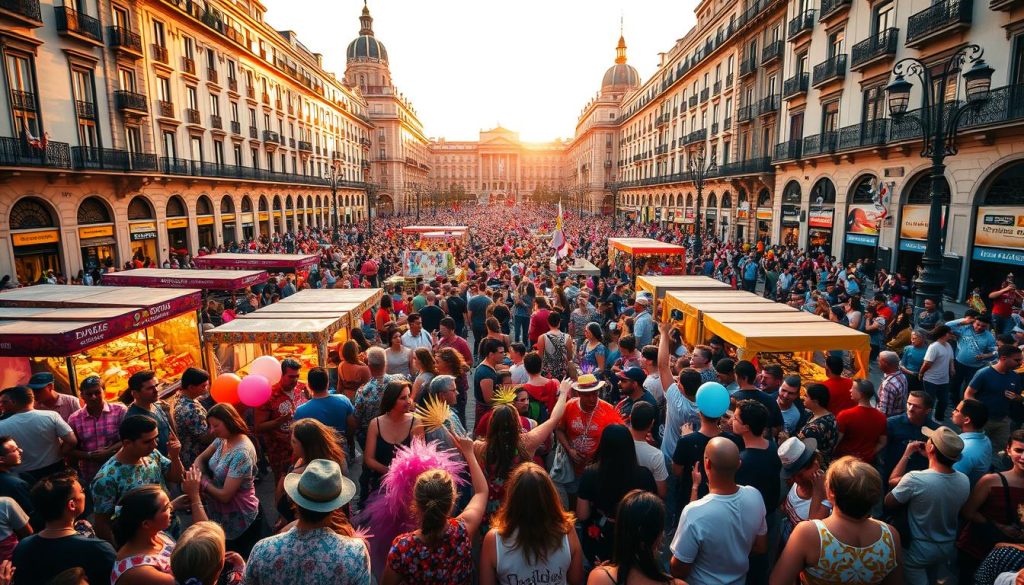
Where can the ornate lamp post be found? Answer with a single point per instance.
(613, 186)
(700, 170)
(333, 176)
(939, 121)
(371, 203)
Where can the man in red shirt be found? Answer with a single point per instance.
(369, 270)
(838, 387)
(1003, 301)
(861, 428)
(579, 431)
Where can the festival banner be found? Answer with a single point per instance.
(864, 219)
(427, 264)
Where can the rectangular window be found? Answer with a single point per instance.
(218, 152)
(163, 89)
(836, 42)
(121, 18)
(196, 147)
(885, 17)
(237, 151)
(159, 36)
(874, 103)
(255, 153)
(234, 111)
(127, 79)
(830, 116)
(85, 107)
(214, 104)
(193, 97)
(134, 136)
(170, 148)
(211, 59)
(232, 71)
(188, 47)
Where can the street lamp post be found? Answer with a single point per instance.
(333, 177)
(614, 188)
(371, 203)
(939, 121)
(700, 170)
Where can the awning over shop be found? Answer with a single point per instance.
(268, 330)
(150, 305)
(204, 279)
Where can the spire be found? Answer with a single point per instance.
(620, 50)
(366, 22)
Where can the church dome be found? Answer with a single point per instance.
(620, 75)
(366, 46)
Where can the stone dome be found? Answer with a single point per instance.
(366, 46)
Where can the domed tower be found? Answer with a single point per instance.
(366, 57)
(620, 77)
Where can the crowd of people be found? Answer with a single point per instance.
(586, 443)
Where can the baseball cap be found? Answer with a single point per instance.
(40, 380)
(634, 373)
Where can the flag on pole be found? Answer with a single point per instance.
(883, 198)
(558, 241)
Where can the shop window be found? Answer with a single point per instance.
(31, 213)
(227, 205)
(791, 195)
(823, 193)
(203, 206)
(864, 192)
(1006, 189)
(176, 207)
(93, 210)
(139, 208)
(921, 191)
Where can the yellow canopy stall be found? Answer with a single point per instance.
(686, 302)
(659, 285)
(633, 254)
(801, 339)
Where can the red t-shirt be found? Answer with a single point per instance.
(548, 393)
(538, 326)
(583, 429)
(839, 394)
(861, 426)
(1003, 305)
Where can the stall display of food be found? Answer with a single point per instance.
(268, 262)
(111, 332)
(640, 255)
(282, 335)
(183, 278)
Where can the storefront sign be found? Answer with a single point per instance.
(742, 214)
(861, 239)
(863, 219)
(711, 212)
(140, 227)
(96, 231)
(208, 219)
(766, 214)
(34, 238)
(264, 216)
(288, 213)
(790, 214)
(138, 237)
(820, 217)
(914, 221)
(912, 246)
(277, 214)
(999, 235)
(177, 223)
(1000, 256)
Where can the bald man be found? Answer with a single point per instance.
(718, 532)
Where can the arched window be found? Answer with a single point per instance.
(93, 210)
(227, 204)
(1007, 188)
(689, 199)
(32, 213)
(864, 190)
(263, 202)
(790, 195)
(823, 192)
(726, 200)
(713, 200)
(140, 208)
(277, 203)
(920, 192)
(203, 206)
(176, 207)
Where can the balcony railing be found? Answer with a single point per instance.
(938, 18)
(130, 101)
(291, 143)
(768, 105)
(746, 113)
(870, 133)
(211, 74)
(254, 133)
(824, 143)
(704, 95)
(15, 152)
(747, 67)
(26, 10)
(125, 40)
(830, 8)
(85, 110)
(660, 120)
(23, 100)
(159, 53)
(109, 159)
(801, 24)
(728, 81)
(188, 65)
(693, 101)
(216, 122)
(232, 84)
(789, 150)
(192, 116)
(72, 22)
(832, 69)
(271, 136)
(250, 92)
(194, 168)
(305, 146)
(874, 48)
(236, 128)
(771, 52)
(696, 136)
(717, 88)
(660, 149)
(727, 124)
(795, 85)
(714, 128)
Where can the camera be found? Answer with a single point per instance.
(676, 315)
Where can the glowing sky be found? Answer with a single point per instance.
(468, 64)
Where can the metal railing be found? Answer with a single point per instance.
(70, 20)
(211, 74)
(192, 116)
(727, 124)
(824, 143)
(789, 150)
(130, 100)
(236, 128)
(85, 110)
(937, 17)
(165, 109)
(216, 122)
(771, 52)
(801, 24)
(768, 105)
(305, 146)
(23, 100)
(832, 68)
(27, 8)
(795, 85)
(747, 67)
(746, 113)
(705, 94)
(696, 136)
(188, 65)
(271, 136)
(873, 47)
(693, 101)
(253, 132)
(109, 159)
(717, 88)
(123, 38)
(158, 52)
(15, 152)
(832, 7)
(870, 133)
(232, 84)
(181, 166)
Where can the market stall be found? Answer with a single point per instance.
(112, 332)
(657, 286)
(642, 255)
(364, 299)
(202, 279)
(268, 262)
(301, 336)
(683, 301)
(584, 267)
(424, 229)
(792, 345)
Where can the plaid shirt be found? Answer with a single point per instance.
(892, 394)
(96, 432)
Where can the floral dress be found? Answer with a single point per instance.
(450, 562)
(234, 462)
(826, 433)
(309, 556)
(161, 561)
(588, 358)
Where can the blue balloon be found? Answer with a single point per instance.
(712, 399)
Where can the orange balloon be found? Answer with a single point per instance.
(225, 388)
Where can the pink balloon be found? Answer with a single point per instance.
(254, 390)
(268, 367)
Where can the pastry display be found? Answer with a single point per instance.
(809, 372)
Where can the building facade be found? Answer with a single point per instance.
(149, 129)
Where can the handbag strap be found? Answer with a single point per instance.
(1006, 501)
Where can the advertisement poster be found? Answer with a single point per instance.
(999, 235)
(427, 264)
(820, 217)
(863, 219)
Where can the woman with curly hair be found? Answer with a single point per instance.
(423, 361)
(450, 362)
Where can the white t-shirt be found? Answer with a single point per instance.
(12, 517)
(414, 342)
(716, 534)
(653, 385)
(519, 374)
(939, 354)
(651, 457)
(37, 432)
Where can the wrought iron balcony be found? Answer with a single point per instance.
(364, 142)
(236, 128)
(727, 124)
(85, 110)
(696, 136)
(747, 67)
(24, 11)
(124, 40)
(789, 150)
(181, 166)
(704, 95)
(305, 146)
(660, 120)
(159, 53)
(23, 100)
(873, 49)
(768, 105)
(271, 137)
(232, 84)
(72, 23)
(192, 116)
(746, 113)
(832, 69)
(833, 8)
(938, 19)
(801, 25)
(714, 128)
(771, 52)
(717, 88)
(131, 102)
(254, 133)
(291, 143)
(824, 143)
(15, 152)
(188, 65)
(794, 86)
(660, 149)
(693, 101)
(216, 122)
(250, 92)
(165, 109)
(109, 159)
(869, 133)
(211, 75)
(728, 81)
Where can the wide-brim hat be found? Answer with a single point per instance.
(946, 441)
(587, 383)
(321, 487)
(795, 453)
